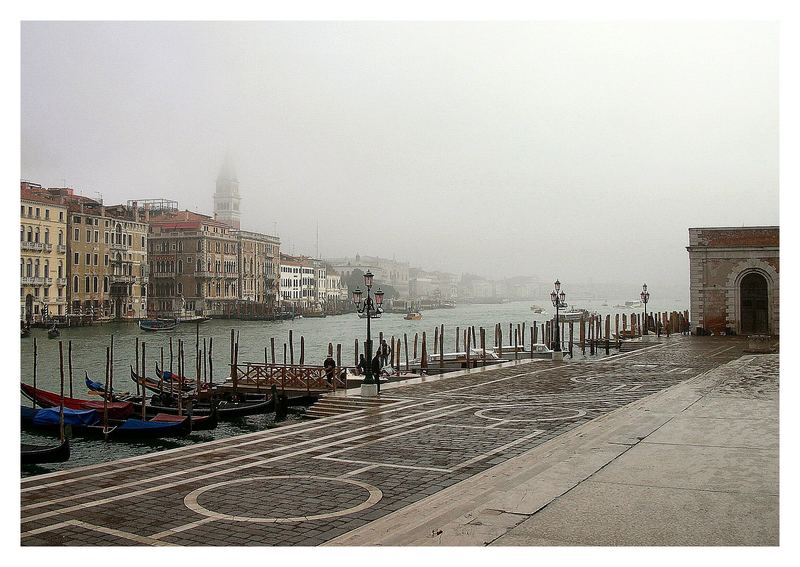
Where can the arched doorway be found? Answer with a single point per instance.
(754, 304)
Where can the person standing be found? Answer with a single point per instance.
(330, 369)
(384, 351)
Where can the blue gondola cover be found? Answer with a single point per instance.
(49, 416)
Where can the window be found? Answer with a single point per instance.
(74, 285)
(36, 235)
(22, 234)
(106, 237)
(142, 242)
(88, 235)
(60, 216)
(60, 269)
(77, 259)
(95, 259)
(88, 259)
(105, 286)
(30, 234)
(105, 260)
(77, 235)
(30, 211)
(47, 236)
(94, 284)
(97, 236)
(46, 269)
(37, 212)
(180, 290)
(47, 214)
(76, 220)
(180, 266)
(29, 269)
(86, 282)
(60, 237)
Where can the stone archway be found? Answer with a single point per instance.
(754, 304)
(769, 278)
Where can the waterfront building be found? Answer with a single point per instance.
(43, 254)
(386, 271)
(226, 198)
(425, 284)
(259, 265)
(734, 280)
(194, 264)
(297, 282)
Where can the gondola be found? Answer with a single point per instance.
(90, 423)
(53, 333)
(37, 454)
(25, 333)
(157, 387)
(199, 422)
(157, 324)
(116, 410)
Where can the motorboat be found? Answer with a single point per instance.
(538, 309)
(540, 350)
(413, 316)
(372, 315)
(158, 324)
(451, 361)
(630, 305)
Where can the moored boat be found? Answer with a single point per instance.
(158, 324)
(53, 333)
(116, 410)
(38, 454)
(90, 423)
(413, 316)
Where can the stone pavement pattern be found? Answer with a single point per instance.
(331, 479)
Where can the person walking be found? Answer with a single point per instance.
(330, 369)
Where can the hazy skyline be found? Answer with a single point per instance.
(583, 151)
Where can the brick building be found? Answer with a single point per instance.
(734, 280)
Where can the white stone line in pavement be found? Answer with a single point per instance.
(638, 351)
(480, 413)
(190, 500)
(178, 529)
(383, 465)
(154, 460)
(160, 487)
(503, 379)
(102, 529)
(497, 450)
(359, 471)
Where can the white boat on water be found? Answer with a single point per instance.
(451, 361)
(372, 315)
(630, 305)
(538, 309)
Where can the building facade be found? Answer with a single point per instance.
(43, 255)
(734, 280)
(194, 264)
(386, 271)
(259, 261)
(297, 283)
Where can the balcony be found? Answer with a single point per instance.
(61, 281)
(122, 247)
(36, 281)
(61, 248)
(37, 246)
(122, 279)
(163, 275)
(60, 301)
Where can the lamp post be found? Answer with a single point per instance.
(558, 301)
(645, 297)
(368, 306)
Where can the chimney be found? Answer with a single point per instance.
(147, 212)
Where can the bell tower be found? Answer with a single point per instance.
(226, 198)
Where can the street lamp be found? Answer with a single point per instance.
(369, 306)
(645, 297)
(558, 301)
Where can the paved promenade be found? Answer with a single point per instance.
(674, 444)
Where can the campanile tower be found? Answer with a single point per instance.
(226, 198)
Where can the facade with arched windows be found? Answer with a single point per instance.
(735, 280)
(43, 285)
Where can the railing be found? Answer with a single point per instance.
(61, 248)
(36, 281)
(119, 246)
(61, 281)
(25, 245)
(286, 377)
(123, 279)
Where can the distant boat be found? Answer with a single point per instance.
(53, 333)
(538, 309)
(371, 315)
(412, 316)
(630, 305)
(158, 324)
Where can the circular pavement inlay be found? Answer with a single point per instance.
(529, 413)
(287, 498)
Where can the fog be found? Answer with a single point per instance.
(582, 151)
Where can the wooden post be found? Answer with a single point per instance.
(105, 398)
(616, 324)
(284, 354)
(232, 369)
(441, 347)
(302, 350)
(205, 352)
(69, 362)
(467, 338)
(338, 355)
(499, 336)
(608, 327)
(571, 330)
(170, 352)
(291, 348)
(416, 336)
(474, 342)
(515, 344)
(236, 366)
(535, 329)
(435, 340)
(457, 330)
(35, 356)
(139, 375)
(210, 360)
(423, 363)
(522, 336)
(355, 349)
(583, 335)
(483, 346)
(181, 372)
(144, 365)
(405, 343)
(61, 405)
(272, 348)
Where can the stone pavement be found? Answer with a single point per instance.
(507, 456)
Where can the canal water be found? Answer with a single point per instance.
(88, 356)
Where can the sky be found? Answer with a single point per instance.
(577, 150)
